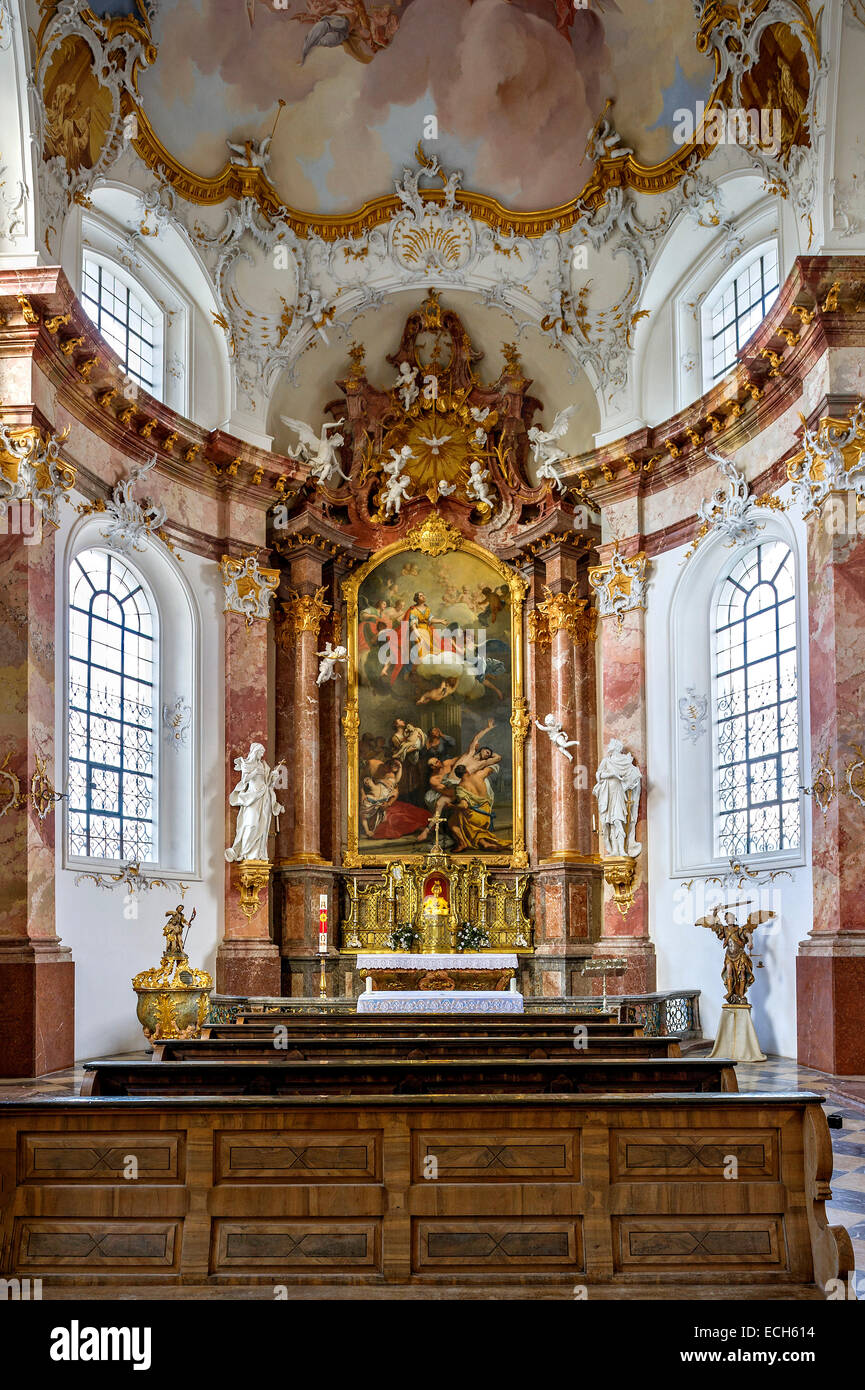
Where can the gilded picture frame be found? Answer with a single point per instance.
(434, 538)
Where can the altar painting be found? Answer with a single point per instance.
(434, 685)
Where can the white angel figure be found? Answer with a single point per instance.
(478, 414)
(330, 657)
(319, 452)
(557, 736)
(546, 452)
(406, 384)
(446, 488)
(398, 459)
(397, 493)
(481, 437)
(255, 797)
(477, 485)
(252, 154)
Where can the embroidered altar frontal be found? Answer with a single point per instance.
(441, 1002)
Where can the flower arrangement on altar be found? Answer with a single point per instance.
(403, 937)
(471, 937)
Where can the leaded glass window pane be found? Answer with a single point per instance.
(123, 320)
(112, 697)
(740, 310)
(756, 712)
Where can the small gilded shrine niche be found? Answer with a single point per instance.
(460, 441)
(422, 907)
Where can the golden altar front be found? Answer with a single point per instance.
(398, 908)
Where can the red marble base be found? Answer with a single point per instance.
(829, 994)
(640, 977)
(37, 1010)
(249, 968)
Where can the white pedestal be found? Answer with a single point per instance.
(736, 1037)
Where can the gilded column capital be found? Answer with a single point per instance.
(249, 588)
(301, 613)
(831, 460)
(563, 612)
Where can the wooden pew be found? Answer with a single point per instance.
(422, 1026)
(627, 1197)
(397, 1076)
(275, 1046)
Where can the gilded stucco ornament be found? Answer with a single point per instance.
(302, 613)
(31, 470)
(249, 588)
(731, 510)
(563, 612)
(832, 460)
(693, 713)
(620, 586)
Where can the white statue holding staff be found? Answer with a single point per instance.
(328, 663)
(617, 789)
(256, 799)
(557, 736)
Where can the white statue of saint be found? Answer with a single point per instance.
(256, 798)
(557, 736)
(617, 788)
(328, 663)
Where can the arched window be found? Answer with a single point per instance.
(735, 308)
(756, 705)
(112, 699)
(129, 320)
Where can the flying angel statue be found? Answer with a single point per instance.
(328, 663)
(546, 452)
(319, 452)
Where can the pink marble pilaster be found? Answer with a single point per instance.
(36, 971)
(247, 960)
(831, 962)
(623, 716)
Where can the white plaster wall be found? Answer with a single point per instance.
(689, 956)
(108, 949)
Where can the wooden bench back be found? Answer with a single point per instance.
(623, 1197)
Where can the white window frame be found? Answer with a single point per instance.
(739, 267)
(149, 303)
(177, 820)
(102, 239)
(691, 636)
(720, 585)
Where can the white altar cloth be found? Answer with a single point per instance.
(433, 1001)
(465, 960)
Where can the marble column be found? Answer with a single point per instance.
(567, 898)
(247, 961)
(37, 990)
(623, 716)
(830, 969)
(305, 874)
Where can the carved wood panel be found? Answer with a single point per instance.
(303, 1243)
(298, 1156)
(100, 1158)
(42, 1244)
(699, 1242)
(692, 1155)
(504, 1157)
(512, 1244)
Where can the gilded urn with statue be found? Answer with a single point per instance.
(173, 997)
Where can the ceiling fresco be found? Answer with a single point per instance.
(515, 86)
